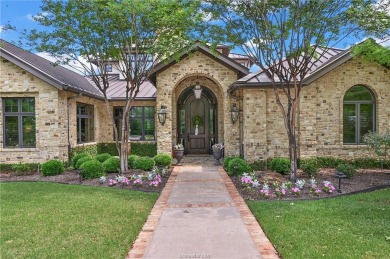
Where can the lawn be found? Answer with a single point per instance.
(49, 220)
(356, 226)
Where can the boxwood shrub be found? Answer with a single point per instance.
(77, 157)
(348, 170)
(145, 163)
(226, 161)
(280, 165)
(91, 169)
(242, 166)
(102, 157)
(163, 159)
(131, 161)
(309, 166)
(82, 160)
(111, 165)
(52, 167)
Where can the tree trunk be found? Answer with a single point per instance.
(124, 150)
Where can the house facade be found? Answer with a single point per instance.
(48, 110)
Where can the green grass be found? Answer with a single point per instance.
(356, 226)
(48, 220)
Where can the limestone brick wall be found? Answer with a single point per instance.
(50, 121)
(320, 118)
(173, 80)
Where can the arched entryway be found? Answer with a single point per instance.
(197, 121)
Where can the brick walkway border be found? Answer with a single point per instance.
(266, 249)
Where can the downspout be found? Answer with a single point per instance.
(67, 102)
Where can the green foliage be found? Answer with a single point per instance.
(280, 165)
(91, 169)
(380, 143)
(329, 162)
(309, 166)
(145, 163)
(131, 161)
(163, 159)
(82, 160)
(226, 161)
(112, 165)
(84, 149)
(77, 157)
(144, 149)
(241, 167)
(20, 169)
(102, 157)
(365, 163)
(348, 170)
(109, 148)
(52, 167)
(259, 165)
(372, 51)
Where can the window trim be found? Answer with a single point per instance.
(357, 104)
(19, 114)
(90, 117)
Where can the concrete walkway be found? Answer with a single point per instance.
(201, 215)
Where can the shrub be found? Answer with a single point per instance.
(163, 159)
(366, 163)
(144, 149)
(145, 163)
(77, 157)
(280, 165)
(82, 160)
(329, 162)
(91, 169)
(102, 157)
(112, 165)
(226, 161)
(23, 169)
(258, 165)
(242, 166)
(52, 167)
(348, 170)
(309, 166)
(131, 161)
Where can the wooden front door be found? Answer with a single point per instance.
(197, 125)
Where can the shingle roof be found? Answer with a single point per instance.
(57, 76)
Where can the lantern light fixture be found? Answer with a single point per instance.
(234, 113)
(162, 115)
(197, 91)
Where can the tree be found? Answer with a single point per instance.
(284, 38)
(380, 143)
(135, 33)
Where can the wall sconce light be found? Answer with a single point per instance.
(162, 115)
(197, 91)
(234, 112)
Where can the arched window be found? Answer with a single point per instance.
(358, 114)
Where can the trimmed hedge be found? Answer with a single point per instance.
(348, 170)
(242, 166)
(309, 166)
(163, 159)
(145, 163)
(112, 165)
(102, 157)
(82, 160)
(258, 165)
(77, 157)
(52, 167)
(280, 165)
(92, 169)
(226, 161)
(131, 161)
(144, 149)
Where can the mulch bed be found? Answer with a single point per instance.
(71, 177)
(362, 181)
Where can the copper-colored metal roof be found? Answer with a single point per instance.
(117, 89)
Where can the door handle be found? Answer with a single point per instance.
(188, 137)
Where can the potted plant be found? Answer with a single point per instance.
(217, 152)
(178, 152)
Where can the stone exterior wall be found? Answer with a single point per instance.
(201, 68)
(51, 133)
(320, 119)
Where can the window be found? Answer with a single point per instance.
(85, 123)
(141, 122)
(108, 67)
(19, 122)
(358, 114)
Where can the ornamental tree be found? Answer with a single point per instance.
(135, 33)
(284, 38)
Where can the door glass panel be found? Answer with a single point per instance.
(182, 121)
(212, 131)
(349, 123)
(197, 116)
